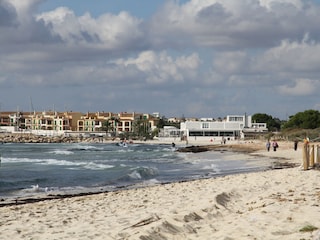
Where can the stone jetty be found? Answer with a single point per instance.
(31, 138)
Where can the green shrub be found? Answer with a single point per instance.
(308, 228)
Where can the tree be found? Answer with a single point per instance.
(162, 122)
(273, 124)
(142, 128)
(309, 119)
(110, 125)
(106, 126)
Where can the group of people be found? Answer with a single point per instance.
(274, 145)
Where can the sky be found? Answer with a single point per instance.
(196, 58)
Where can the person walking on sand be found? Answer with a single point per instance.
(268, 145)
(295, 145)
(275, 145)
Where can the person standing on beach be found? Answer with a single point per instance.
(295, 145)
(275, 145)
(268, 145)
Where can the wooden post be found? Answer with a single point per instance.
(312, 156)
(317, 153)
(305, 157)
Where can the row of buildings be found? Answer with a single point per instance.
(58, 123)
(101, 123)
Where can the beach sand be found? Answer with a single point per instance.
(273, 204)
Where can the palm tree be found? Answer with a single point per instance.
(114, 125)
(106, 126)
(141, 127)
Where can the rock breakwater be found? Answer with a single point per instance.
(32, 138)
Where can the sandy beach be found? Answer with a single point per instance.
(273, 204)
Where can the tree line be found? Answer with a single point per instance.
(309, 119)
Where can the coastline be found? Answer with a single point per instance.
(273, 204)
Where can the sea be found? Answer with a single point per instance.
(29, 170)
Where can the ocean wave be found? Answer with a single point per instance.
(21, 160)
(124, 149)
(96, 166)
(62, 152)
(213, 167)
(83, 147)
(76, 165)
(140, 173)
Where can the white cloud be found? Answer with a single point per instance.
(301, 87)
(271, 3)
(231, 62)
(234, 23)
(294, 56)
(161, 68)
(109, 31)
(24, 8)
(204, 54)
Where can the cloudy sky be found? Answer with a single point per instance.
(196, 58)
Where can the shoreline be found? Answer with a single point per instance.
(271, 204)
(233, 149)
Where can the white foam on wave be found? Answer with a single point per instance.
(96, 166)
(135, 175)
(32, 190)
(148, 183)
(124, 149)
(143, 172)
(22, 160)
(39, 161)
(169, 149)
(212, 167)
(62, 152)
(77, 164)
(4, 159)
(59, 162)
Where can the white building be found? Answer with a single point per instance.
(232, 128)
(169, 133)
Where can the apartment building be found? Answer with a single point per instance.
(125, 121)
(78, 122)
(116, 122)
(231, 128)
(8, 118)
(93, 121)
(48, 121)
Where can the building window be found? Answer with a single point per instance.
(195, 133)
(211, 133)
(236, 119)
(205, 125)
(227, 134)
